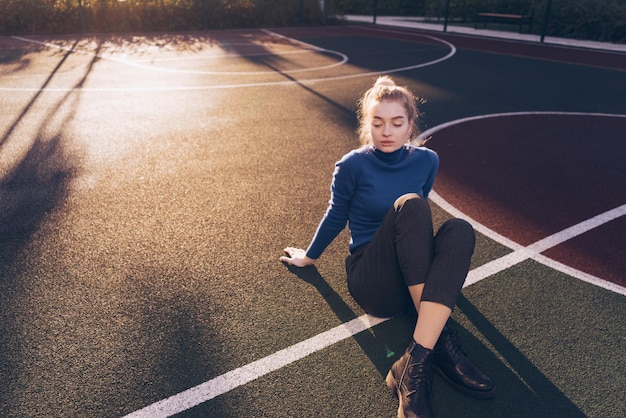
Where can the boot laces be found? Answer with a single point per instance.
(452, 344)
(417, 374)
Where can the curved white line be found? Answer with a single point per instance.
(533, 251)
(342, 61)
(437, 128)
(224, 55)
(245, 85)
(137, 64)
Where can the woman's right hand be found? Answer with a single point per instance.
(296, 257)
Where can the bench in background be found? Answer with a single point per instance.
(518, 19)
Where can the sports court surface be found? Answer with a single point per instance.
(149, 182)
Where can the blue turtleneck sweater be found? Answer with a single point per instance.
(366, 183)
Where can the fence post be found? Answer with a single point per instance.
(445, 18)
(205, 14)
(33, 16)
(375, 10)
(545, 21)
(81, 16)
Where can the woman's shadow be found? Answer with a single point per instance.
(523, 389)
(384, 343)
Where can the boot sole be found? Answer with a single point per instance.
(391, 384)
(393, 388)
(473, 393)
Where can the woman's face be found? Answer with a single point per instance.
(390, 126)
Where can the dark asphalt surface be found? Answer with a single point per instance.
(143, 212)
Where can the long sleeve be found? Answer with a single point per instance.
(336, 217)
(365, 184)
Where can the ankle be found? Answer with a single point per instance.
(417, 350)
(424, 344)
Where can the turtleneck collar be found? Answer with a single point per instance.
(391, 157)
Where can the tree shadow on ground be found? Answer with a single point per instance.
(39, 182)
(38, 168)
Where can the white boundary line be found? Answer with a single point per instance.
(437, 128)
(533, 251)
(451, 53)
(245, 374)
(228, 55)
(521, 253)
(238, 377)
(138, 64)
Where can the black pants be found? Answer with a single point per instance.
(404, 252)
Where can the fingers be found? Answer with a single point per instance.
(290, 261)
(293, 255)
(287, 258)
(403, 199)
(292, 252)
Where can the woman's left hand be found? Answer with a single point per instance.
(296, 257)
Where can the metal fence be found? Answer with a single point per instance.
(598, 20)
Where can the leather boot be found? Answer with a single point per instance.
(410, 380)
(455, 368)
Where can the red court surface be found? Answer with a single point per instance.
(529, 176)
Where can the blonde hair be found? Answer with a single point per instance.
(385, 89)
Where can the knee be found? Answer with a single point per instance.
(399, 203)
(460, 229)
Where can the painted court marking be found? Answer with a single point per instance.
(533, 251)
(238, 377)
(451, 53)
(137, 64)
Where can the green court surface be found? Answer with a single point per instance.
(149, 183)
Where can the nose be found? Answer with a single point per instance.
(387, 130)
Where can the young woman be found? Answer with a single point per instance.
(396, 263)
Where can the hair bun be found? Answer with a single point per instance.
(385, 81)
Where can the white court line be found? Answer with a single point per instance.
(238, 377)
(218, 55)
(521, 253)
(228, 381)
(451, 53)
(438, 128)
(137, 64)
